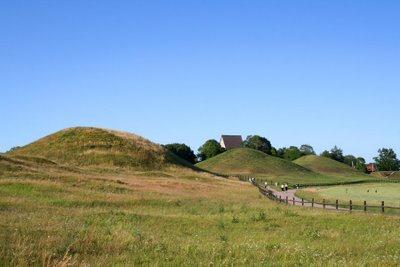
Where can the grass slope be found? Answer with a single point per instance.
(245, 161)
(84, 146)
(386, 174)
(50, 216)
(329, 167)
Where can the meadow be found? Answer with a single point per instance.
(175, 217)
(373, 193)
(115, 212)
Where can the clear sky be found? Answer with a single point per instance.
(319, 72)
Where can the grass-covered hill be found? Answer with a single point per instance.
(86, 146)
(387, 174)
(65, 215)
(245, 161)
(328, 166)
(54, 217)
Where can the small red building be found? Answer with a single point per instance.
(371, 167)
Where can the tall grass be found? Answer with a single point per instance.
(216, 222)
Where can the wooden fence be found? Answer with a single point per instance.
(338, 206)
(304, 185)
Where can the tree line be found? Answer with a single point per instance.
(385, 161)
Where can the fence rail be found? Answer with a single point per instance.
(337, 205)
(303, 185)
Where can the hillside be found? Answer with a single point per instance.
(328, 166)
(386, 174)
(186, 218)
(52, 215)
(85, 146)
(245, 161)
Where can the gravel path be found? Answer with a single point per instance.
(290, 194)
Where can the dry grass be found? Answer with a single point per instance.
(88, 147)
(52, 215)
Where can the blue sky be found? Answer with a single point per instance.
(319, 72)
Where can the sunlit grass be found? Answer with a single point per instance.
(52, 216)
(373, 193)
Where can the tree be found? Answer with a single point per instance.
(259, 143)
(360, 165)
(274, 152)
(387, 160)
(336, 154)
(350, 160)
(183, 151)
(307, 150)
(357, 163)
(292, 153)
(326, 154)
(210, 149)
(281, 152)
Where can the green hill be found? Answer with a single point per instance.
(328, 166)
(84, 146)
(245, 161)
(386, 174)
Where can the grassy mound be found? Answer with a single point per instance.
(50, 216)
(244, 161)
(386, 174)
(328, 166)
(9, 165)
(83, 146)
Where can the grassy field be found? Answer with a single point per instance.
(59, 215)
(373, 193)
(329, 167)
(174, 218)
(244, 161)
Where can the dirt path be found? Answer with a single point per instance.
(290, 194)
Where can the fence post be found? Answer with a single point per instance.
(383, 206)
(351, 205)
(302, 201)
(337, 204)
(287, 200)
(312, 203)
(294, 202)
(365, 205)
(323, 203)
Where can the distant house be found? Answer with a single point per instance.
(371, 167)
(231, 141)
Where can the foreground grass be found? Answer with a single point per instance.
(176, 218)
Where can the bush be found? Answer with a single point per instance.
(335, 153)
(210, 149)
(183, 151)
(259, 143)
(293, 152)
(387, 160)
